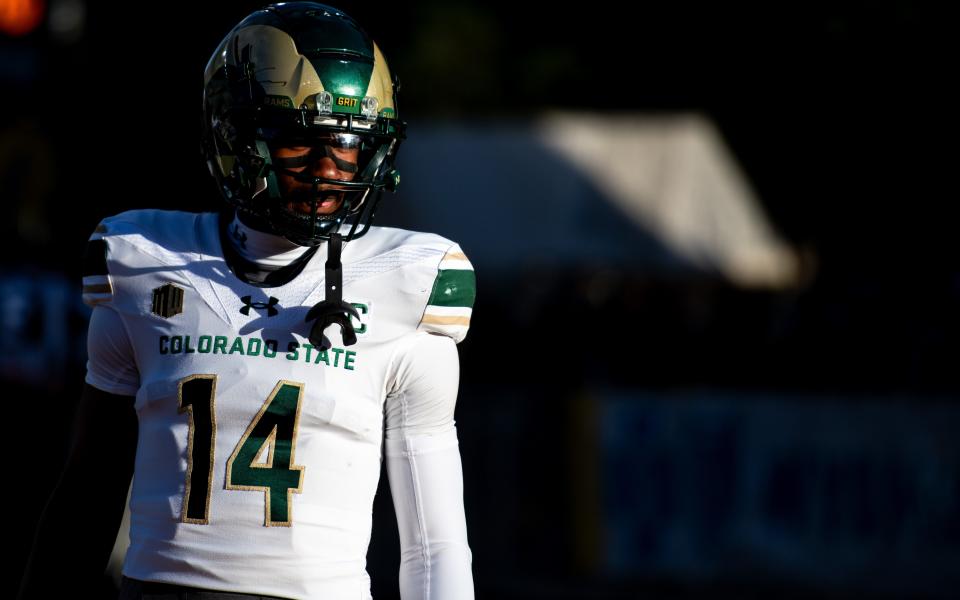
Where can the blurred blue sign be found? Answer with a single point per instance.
(44, 327)
(861, 494)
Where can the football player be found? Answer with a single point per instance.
(250, 368)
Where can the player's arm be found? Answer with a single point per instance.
(424, 469)
(79, 524)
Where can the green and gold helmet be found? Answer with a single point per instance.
(301, 75)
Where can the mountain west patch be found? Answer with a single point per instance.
(167, 301)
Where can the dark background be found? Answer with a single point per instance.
(573, 436)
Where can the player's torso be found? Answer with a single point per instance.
(254, 443)
(259, 393)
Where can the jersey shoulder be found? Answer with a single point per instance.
(386, 240)
(440, 276)
(131, 239)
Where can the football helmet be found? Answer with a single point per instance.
(305, 75)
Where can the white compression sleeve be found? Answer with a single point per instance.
(425, 473)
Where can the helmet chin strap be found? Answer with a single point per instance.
(332, 310)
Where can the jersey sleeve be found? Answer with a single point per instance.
(450, 304)
(424, 391)
(111, 365)
(425, 473)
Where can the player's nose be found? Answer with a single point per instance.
(325, 167)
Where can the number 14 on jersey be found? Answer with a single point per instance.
(261, 461)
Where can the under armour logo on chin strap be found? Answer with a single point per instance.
(271, 311)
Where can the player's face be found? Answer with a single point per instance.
(318, 164)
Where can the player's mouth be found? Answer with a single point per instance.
(326, 205)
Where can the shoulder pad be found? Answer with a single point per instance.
(450, 304)
(148, 230)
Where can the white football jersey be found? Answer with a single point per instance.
(258, 453)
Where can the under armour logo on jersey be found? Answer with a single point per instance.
(240, 236)
(269, 305)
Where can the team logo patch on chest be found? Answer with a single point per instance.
(167, 301)
(270, 305)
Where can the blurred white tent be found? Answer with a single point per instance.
(657, 192)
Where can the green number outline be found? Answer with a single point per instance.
(278, 434)
(275, 427)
